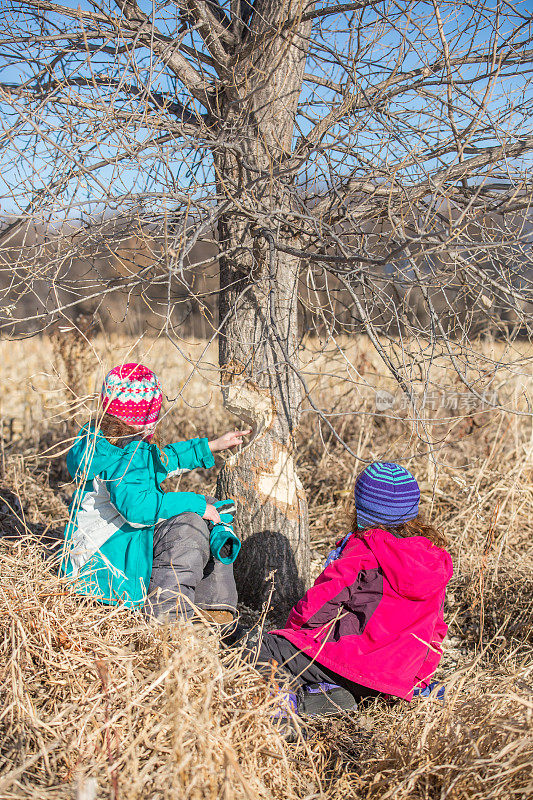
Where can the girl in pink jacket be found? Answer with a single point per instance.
(372, 623)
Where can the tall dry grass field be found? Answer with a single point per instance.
(96, 704)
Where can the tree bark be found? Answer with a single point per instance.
(260, 334)
(259, 321)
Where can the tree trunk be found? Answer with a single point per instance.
(258, 337)
(258, 316)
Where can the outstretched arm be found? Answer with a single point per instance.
(194, 453)
(191, 454)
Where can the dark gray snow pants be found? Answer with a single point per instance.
(184, 573)
(299, 668)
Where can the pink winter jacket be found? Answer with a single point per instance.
(375, 614)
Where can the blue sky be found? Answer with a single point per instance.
(26, 163)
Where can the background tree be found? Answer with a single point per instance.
(359, 167)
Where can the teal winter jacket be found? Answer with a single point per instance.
(118, 500)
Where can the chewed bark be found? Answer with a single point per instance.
(279, 483)
(253, 406)
(272, 508)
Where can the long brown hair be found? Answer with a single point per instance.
(414, 527)
(118, 433)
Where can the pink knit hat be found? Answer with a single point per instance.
(132, 393)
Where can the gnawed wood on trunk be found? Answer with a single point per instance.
(272, 515)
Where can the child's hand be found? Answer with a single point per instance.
(211, 514)
(227, 440)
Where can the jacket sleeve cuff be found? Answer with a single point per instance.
(175, 503)
(205, 456)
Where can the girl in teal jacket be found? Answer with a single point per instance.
(120, 513)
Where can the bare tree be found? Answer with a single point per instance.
(364, 160)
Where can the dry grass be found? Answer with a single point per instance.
(90, 692)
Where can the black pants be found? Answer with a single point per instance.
(185, 574)
(300, 669)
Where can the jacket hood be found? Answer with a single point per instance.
(91, 453)
(414, 567)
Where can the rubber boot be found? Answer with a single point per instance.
(317, 699)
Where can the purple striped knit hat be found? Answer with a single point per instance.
(385, 494)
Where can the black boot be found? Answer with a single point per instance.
(316, 699)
